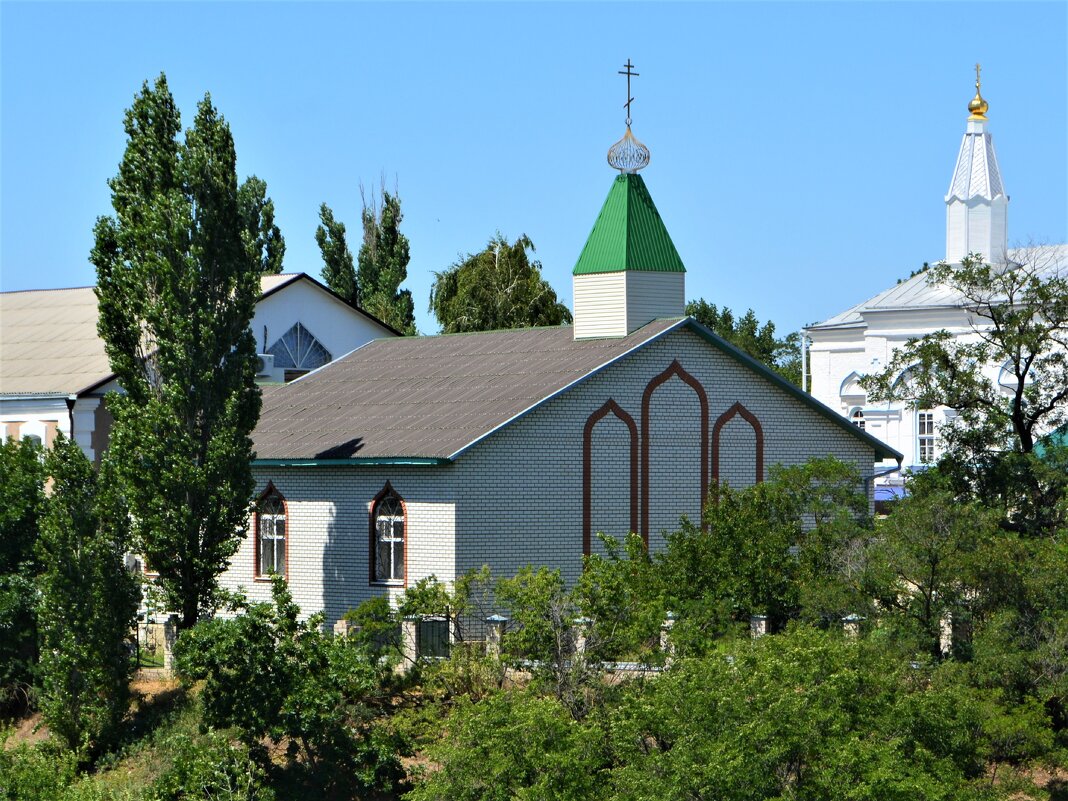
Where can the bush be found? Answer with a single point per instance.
(87, 604)
(271, 675)
(211, 768)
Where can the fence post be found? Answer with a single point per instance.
(851, 625)
(495, 634)
(409, 644)
(581, 629)
(758, 625)
(170, 636)
(666, 645)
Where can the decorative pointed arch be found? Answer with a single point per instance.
(738, 410)
(674, 370)
(851, 387)
(388, 538)
(609, 407)
(270, 524)
(298, 349)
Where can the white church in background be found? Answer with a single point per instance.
(862, 339)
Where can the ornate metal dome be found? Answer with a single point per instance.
(628, 154)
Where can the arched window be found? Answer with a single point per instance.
(857, 419)
(297, 349)
(387, 536)
(271, 534)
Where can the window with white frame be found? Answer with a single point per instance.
(858, 419)
(271, 534)
(925, 436)
(387, 523)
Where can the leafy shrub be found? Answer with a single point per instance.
(515, 745)
(214, 768)
(87, 604)
(271, 675)
(38, 773)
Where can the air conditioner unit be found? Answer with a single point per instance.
(265, 368)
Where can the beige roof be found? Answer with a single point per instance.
(49, 344)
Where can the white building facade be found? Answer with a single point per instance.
(863, 339)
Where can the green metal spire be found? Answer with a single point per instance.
(629, 234)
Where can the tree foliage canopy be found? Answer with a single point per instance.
(498, 288)
(746, 333)
(257, 215)
(1018, 315)
(177, 283)
(88, 602)
(373, 280)
(382, 263)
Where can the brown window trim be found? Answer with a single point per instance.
(758, 431)
(386, 492)
(674, 369)
(269, 490)
(609, 407)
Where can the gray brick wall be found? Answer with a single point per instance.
(516, 498)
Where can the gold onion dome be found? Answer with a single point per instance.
(628, 154)
(978, 107)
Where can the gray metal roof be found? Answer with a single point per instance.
(919, 293)
(428, 397)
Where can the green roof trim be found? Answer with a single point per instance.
(413, 461)
(629, 234)
(1054, 440)
(743, 358)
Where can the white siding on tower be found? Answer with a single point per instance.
(600, 305)
(654, 295)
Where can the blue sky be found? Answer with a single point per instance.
(800, 151)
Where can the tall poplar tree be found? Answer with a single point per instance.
(383, 263)
(338, 271)
(257, 215)
(177, 282)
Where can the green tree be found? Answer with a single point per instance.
(515, 745)
(778, 548)
(338, 271)
(88, 602)
(273, 675)
(257, 215)
(813, 716)
(747, 334)
(500, 287)
(383, 263)
(177, 287)
(22, 500)
(1018, 316)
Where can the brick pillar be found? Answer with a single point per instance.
(409, 645)
(581, 629)
(758, 625)
(170, 637)
(851, 625)
(495, 625)
(666, 645)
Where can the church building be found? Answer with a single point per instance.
(419, 456)
(862, 339)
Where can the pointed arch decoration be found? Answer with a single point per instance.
(738, 410)
(674, 370)
(270, 526)
(609, 407)
(387, 521)
(298, 349)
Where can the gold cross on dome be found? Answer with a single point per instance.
(977, 69)
(629, 73)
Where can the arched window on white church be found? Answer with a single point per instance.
(297, 351)
(857, 419)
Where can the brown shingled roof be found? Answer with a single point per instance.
(428, 397)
